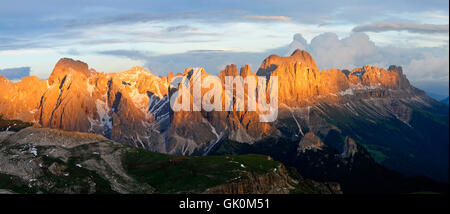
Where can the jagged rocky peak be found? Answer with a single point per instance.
(191, 72)
(392, 78)
(303, 57)
(137, 70)
(4, 80)
(396, 68)
(137, 76)
(69, 66)
(246, 71)
(309, 141)
(27, 81)
(230, 70)
(350, 147)
(30, 79)
(274, 61)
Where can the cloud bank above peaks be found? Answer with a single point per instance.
(270, 18)
(211, 60)
(412, 28)
(331, 52)
(426, 67)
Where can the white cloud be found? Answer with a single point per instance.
(412, 28)
(331, 52)
(270, 18)
(429, 68)
(20, 52)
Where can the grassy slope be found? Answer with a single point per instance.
(173, 174)
(193, 174)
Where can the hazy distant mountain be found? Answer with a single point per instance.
(338, 125)
(436, 96)
(15, 73)
(445, 101)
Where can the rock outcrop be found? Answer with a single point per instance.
(276, 182)
(308, 142)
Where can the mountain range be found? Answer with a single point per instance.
(367, 127)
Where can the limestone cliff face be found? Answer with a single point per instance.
(272, 63)
(21, 100)
(132, 107)
(67, 97)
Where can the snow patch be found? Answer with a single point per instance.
(34, 151)
(346, 92)
(103, 110)
(139, 100)
(298, 124)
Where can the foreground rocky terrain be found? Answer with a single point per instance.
(43, 160)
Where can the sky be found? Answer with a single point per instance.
(171, 35)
